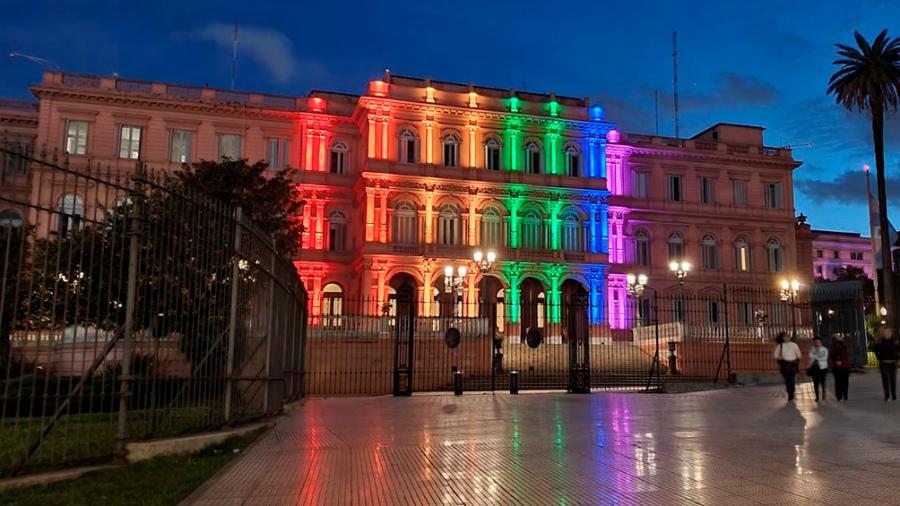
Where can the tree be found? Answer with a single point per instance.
(868, 81)
(852, 273)
(266, 197)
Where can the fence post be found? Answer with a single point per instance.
(270, 335)
(232, 315)
(726, 349)
(134, 244)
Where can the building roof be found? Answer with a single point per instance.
(24, 106)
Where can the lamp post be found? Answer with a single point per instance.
(485, 263)
(680, 268)
(789, 292)
(635, 285)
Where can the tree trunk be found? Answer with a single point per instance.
(890, 295)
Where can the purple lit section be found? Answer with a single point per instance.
(616, 301)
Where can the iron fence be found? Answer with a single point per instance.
(367, 347)
(134, 308)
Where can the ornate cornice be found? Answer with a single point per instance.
(683, 154)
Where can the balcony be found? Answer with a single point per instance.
(466, 252)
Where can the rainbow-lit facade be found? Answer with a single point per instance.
(415, 175)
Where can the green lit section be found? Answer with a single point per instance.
(553, 108)
(553, 211)
(513, 203)
(513, 104)
(552, 150)
(512, 294)
(512, 143)
(554, 272)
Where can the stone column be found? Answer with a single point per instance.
(429, 216)
(385, 124)
(370, 214)
(320, 223)
(427, 274)
(304, 236)
(472, 129)
(429, 142)
(323, 166)
(382, 225)
(371, 135)
(473, 232)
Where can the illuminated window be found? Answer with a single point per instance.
(492, 150)
(573, 161)
(710, 252)
(409, 147)
(337, 231)
(572, 233)
(180, 147)
(229, 146)
(451, 150)
(338, 163)
(776, 256)
(405, 223)
(70, 213)
(742, 255)
(332, 305)
(676, 246)
(449, 225)
(641, 248)
(279, 154)
(532, 158)
(490, 227)
(76, 137)
(129, 142)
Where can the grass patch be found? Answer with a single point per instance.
(157, 482)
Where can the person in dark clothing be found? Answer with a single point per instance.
(840, 366)
(888, 352)
(787, 354)
(818, 366)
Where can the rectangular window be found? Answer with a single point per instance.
(745, 313)
(230, 146)
(678, 310)
(180, 148)
(129, 142)
(338, 159)
(641, 185)
(774, 196)
(675, 188)
(76, 137)
(492, 157)
(836, 255)
(740, 193)
(713, 311)
(819, 270)
(15, 162)
(278, 154)
(856, 255)
(819, 253)
(707, 190)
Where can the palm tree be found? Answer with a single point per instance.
(868, 80)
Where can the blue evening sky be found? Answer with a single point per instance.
(764, 62)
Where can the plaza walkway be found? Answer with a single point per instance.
(728, 447)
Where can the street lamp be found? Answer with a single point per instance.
(454, 279)
(789, 292)
(635, 285)
(484, 262)
(680, 268)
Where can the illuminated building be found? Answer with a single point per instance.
(414, 175)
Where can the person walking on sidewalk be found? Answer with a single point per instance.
(818, 366)
(787, 354)
(840, 366)
(888, 352)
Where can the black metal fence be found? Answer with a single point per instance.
(132, 308)
(660, 337)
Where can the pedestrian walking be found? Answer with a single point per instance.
(887, 352)
(818, 366)
(840, 366)
(787, 354)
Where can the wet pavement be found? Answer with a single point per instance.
(729, 447)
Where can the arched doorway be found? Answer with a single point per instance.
(533, 305)
(332, 305)
(399, 283)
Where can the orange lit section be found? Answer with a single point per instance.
(378, 88)
(429, 147)
(429, 95)
(307, 151)
(473, 99)
(317, 104)
(322, 142)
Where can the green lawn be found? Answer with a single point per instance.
(157, 482)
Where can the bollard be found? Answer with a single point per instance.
(457, 383)
(673, 360)
(513, 382)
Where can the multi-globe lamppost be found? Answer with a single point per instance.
(634, 285)
(789, 292)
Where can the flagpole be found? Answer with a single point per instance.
(874, 240)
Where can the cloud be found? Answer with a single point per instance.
(849, 187)
(733, 91)
(271, 49)
(831, 127)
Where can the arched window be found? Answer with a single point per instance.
(571, 233)
(742, 255)
(641, 248)
(573, 161)
(70, 213)
(451, 150)
(406, 226)
(449, 225)
(676, 246)
(338, 158)
(532, 231)
(492, 150)
(337, 231)
(532, 158)
(332, 305)
(409, 146)
(10, 218)
(776, 256)
(490, 227)
(710, 252)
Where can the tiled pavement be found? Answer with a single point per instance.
(730, 447)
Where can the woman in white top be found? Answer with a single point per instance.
(787, 353)
(818, 366)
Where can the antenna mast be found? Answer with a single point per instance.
(675, 80)
(234, 56)
(656, 108)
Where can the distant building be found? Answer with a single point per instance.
(18, 131)
(833, 250)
